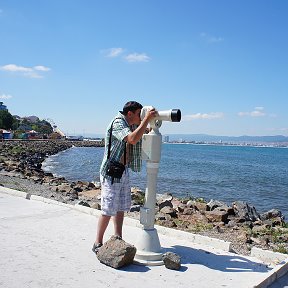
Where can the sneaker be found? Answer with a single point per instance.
(96, 247)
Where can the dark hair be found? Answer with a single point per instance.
(131, 106)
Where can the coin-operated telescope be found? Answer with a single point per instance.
(149, 251)
(172, 115)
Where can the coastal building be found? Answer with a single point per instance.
(75, 138)
(32, 134)
(57, 133)
(166, 139)
(2, 106)
(57, 130)
(5, 134)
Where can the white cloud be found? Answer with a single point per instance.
(114, 52)
(206, 116)
(257, 112)
(132, 57)
(31, 72)
(211, 39)
(15, 68)
(41, 68)
(5, 96)
(135, 57)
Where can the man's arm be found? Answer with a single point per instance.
(137, 134)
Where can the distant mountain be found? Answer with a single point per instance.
(213, 138)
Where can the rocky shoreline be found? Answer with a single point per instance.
(239, 223)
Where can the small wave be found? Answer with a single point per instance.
(48, 168)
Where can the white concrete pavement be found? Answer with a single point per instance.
(48, 244)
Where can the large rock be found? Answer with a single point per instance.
(169, 210)
(245, 211)
(172, 260)
(217, 216)
(273, 213)
(164, 200)
(213, 204)
(116, 253)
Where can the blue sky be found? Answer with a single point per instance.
(223, 63)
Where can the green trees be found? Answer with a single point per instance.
(6, 119)
(42, 126)
(8, 122)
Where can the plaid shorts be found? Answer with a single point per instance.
(117, 196)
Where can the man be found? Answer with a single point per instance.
(127, 131)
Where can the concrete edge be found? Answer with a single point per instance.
(280, 270)
(87, 210)
(49, 201)
(273, 258)
(277, 260)
(15, 192)
(195, 238)
(178, 234)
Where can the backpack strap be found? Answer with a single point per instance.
(110, 141)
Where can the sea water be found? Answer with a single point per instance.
(257, 175)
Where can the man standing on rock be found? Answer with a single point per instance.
(125, 147)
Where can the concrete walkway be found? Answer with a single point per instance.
(49, 245)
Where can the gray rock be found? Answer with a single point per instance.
(217, 216)
(83, 203)
(213, 204)
(164, 200)
(135, 208)
(273, 213)
(172, 261)
(245, 211)
(169, 210)
(116, 253)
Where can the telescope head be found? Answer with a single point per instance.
(172, 115)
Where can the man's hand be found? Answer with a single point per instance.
(150, 114)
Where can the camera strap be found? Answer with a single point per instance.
(110, 141)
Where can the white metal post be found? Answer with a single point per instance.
(149, 251)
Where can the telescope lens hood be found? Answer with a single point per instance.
(176, 115)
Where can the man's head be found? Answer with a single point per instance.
(131, 111)
(131, 106)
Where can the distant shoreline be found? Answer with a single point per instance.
(275, 145)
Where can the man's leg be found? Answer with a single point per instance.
(101, 228)
(118, 223)
(108, 194)
(124, 203)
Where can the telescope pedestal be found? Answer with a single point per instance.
(149, 251)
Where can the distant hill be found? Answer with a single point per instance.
(213, 138)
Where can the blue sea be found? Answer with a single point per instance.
(257, 175)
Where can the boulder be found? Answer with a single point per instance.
(96, 205)
(116, 253)
(169, 210)
(217, 216)
(165, 200)
(172, 261)
(200, 206)
(273, 213)
(64, 188)
(135, 208)
(213, 204)
(245, 212)
(83, 203)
